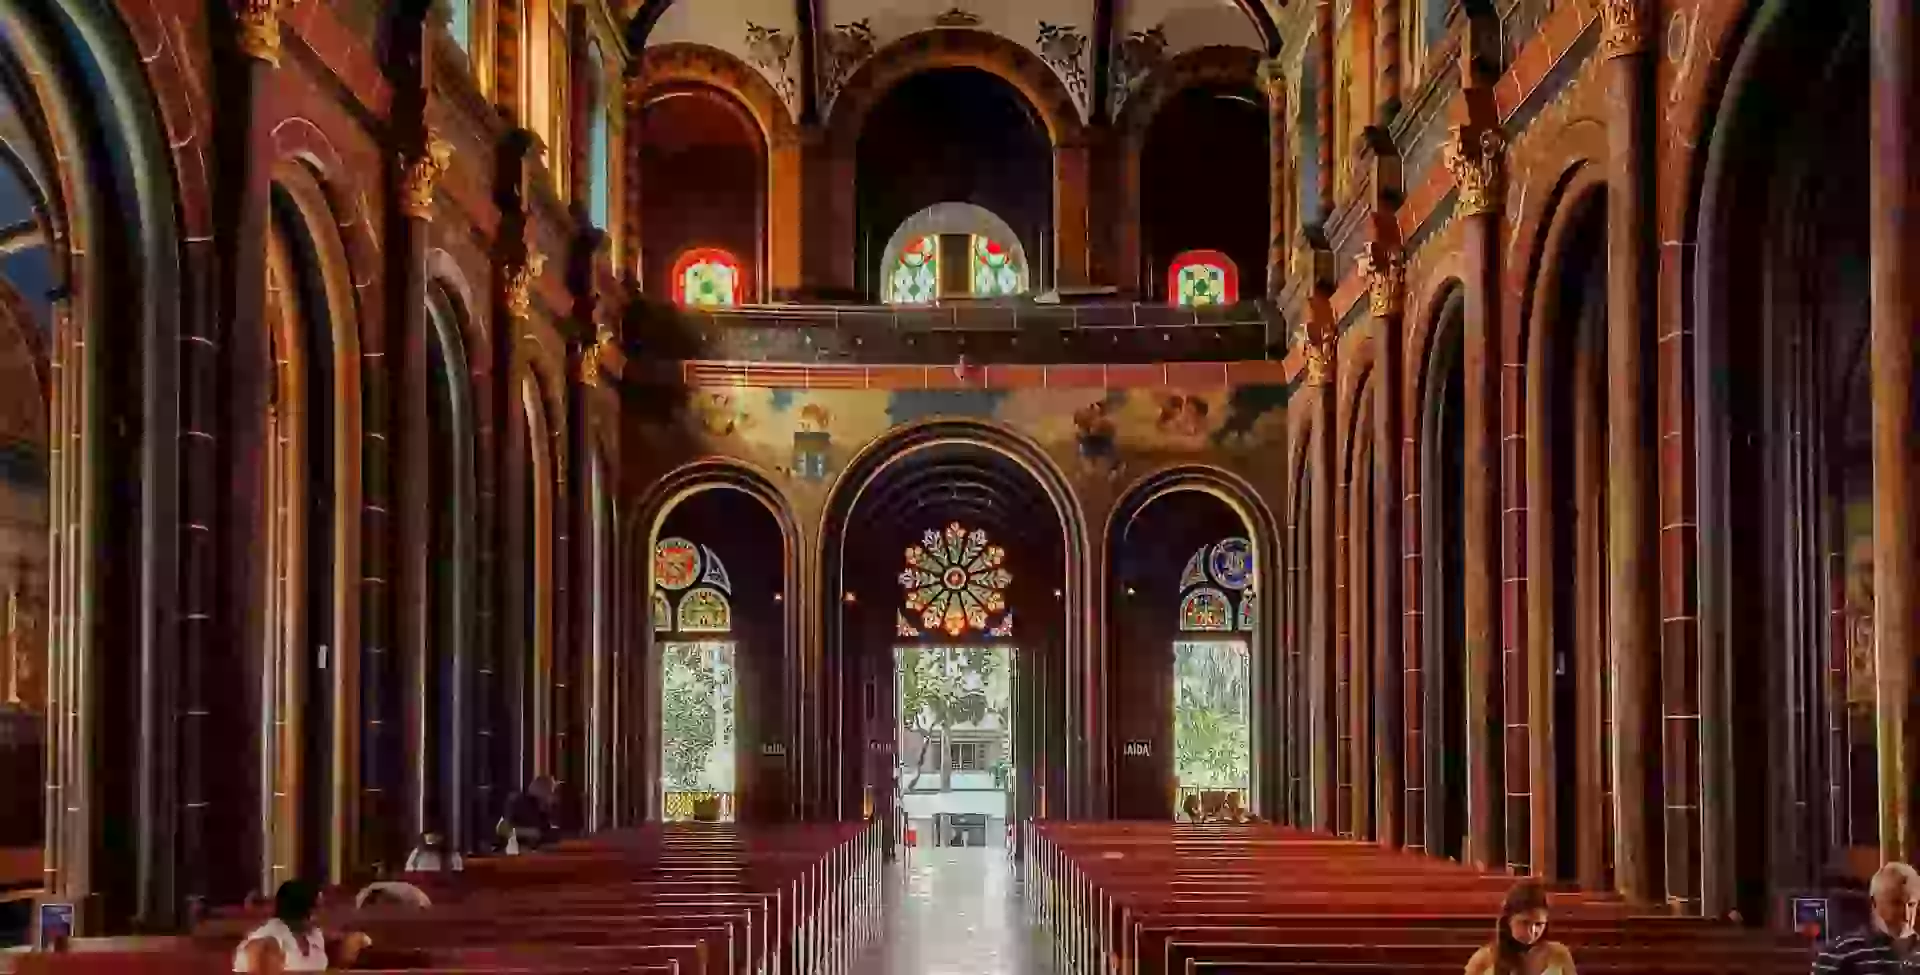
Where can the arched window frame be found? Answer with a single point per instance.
(1230, 276)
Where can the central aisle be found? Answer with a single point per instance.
(956, 911)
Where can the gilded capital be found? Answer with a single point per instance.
(520, 279)
(603, 353)
(1317, 344)
(257, 23)
(422, 172)
(1623, 27)
(1386, 275)
(1273, 81)
(1476, 156)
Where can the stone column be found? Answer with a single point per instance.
(1632, 565)
(632, 253)
(1273, 80)
(406, 393)
(1071, 185)
(1895, 241)
(1321, 344)
(1403, 798)
(1474, 155)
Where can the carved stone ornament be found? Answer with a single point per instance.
(1275, 84)
(422, 172)
(1386, 274)
(520, 279)
(1064, 49)
(1317, 345)
(848, 45)
(258, 26)
(603, 357)
(1623, 27)
(1477, 160)
(1135, 56)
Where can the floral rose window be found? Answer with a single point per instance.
(1199, 279)
(707, 277)
(955, 581)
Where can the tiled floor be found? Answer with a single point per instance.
(956, 912)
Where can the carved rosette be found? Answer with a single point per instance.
(421, 173)
(1477, 159)
(1623, 27)
(257, 23)
(520, 280)
(1317, 344)
(1386, 274)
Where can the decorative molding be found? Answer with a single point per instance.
(602, 357)
(1476, 157)
(848, 46)
(1623, 27)
(257, 26)
(1135, 56)
(1385, 271)
(520, 281)
(1275, 83)
(1318, 344)
(957, 17)
(1064, 49)
(421, 173)
(771, 50)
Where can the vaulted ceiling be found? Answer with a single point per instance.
(1098, 47)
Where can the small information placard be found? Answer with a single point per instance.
(56, 925)
(1138, 748)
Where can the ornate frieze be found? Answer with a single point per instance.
(257, 25)
(1385, 271)
(1476, 158)
(521, 278)
(1623, 27)
(421, 173)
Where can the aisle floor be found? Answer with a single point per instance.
(956, 911)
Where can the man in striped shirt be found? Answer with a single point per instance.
(1886, 945)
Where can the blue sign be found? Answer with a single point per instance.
(56, 926)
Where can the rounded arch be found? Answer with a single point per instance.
(1263, 531)
(679, 66)
(953, 218)
(928, 50)
(734, 280)
(1079, 763)
(641, 533)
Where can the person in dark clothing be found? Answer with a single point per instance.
(528, 822)
(1886, 944)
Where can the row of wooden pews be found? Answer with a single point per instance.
(679, 899)
(1174, 899)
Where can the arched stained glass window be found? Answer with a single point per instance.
(954, 582)
(916, 275)
(707, 277)
(698, 685)
(662, 612)
(1217, 588)
(1198, 279)
(690, 587)
(599, 143)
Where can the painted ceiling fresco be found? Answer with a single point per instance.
(763, 33)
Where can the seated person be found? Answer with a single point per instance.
(528, 822)
(382, 893)
(432, 856)
(291, 942)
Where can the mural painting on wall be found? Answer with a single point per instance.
(1135, 56)
(848, 47)
(1064, 49)
(1094, 434)
(770, 49)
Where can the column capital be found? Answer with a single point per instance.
(1274, 83)
(257, 29)
(604, 356)
(421, 172)
(1385, 271)
(1623, 27)
(1476, 157)
(519, 284)
(1319, 344)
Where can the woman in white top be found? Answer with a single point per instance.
(290, 942)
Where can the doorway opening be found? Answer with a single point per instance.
(955, 742)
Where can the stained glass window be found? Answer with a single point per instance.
(704, 610)
(676, 564)
(1199, 279)
(955, 582)
(460, 23)
(599, 149)
(916, 278)
(662, 612)
(994, 271)
(716, 574)
(1217, 588)
(707, 277)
